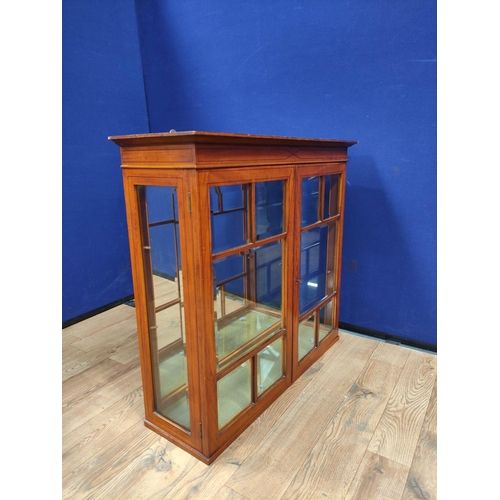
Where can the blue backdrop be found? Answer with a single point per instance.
(103, 94)
(363, 70)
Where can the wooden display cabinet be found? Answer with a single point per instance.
(235, 243)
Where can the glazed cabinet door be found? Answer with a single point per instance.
(160, 229)
(248, 272)
(319, 217)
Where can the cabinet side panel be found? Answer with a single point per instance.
(138, 278)
(145, 300)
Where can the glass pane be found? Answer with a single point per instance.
(234, 393)
(229, 298)
(325, 320)
(310, 197)
(269, 366)
(171, 379)
(268, 282)
(164, 253)
(228, 267)
(269, 208)
(161, 203)
(247, 308)
(167, 334)
(306, 336)
(313, 267)
(228, 207)
(164, 241)
(170, 326)
(331, 196)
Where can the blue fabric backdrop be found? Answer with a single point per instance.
(362, 70)
(103, 94)
(348, 70)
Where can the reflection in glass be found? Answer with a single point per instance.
(170, 326)
(234, 393)
(229, 207)
(331, 196)
(269, 208)
(269, 365)
(163, 223)
(310, 200)
(248, 306)
(306, 336)
(172, 401)
(325, 320)
(161, 203)
(228, 267)
(226, 302)
(161, 237)
(313, 267)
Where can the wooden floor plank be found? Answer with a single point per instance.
(94, 378)
(378, 478)
(97, 401)
(272, 465)
(108, 453)
(70, 353)
(85, 481)
(87, 359)
(392, 354)
(203, 482)
(127, 352)
(397, 434)
(81, 444)
(226, 493)
(238, 451)
(151, 475)
(67, 339)
(99, 322)
(109, 338)
(422, 479)
(326, 470)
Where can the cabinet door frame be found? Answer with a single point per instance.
(132, 178)
(303, 171)
(216, 441)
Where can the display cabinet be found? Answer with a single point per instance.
(235, 245)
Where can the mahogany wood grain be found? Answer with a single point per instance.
(192, 162)
(200, 137)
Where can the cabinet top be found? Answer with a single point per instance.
(196, 137)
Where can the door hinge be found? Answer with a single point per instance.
(189, 202)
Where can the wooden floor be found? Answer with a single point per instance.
(360, 424)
